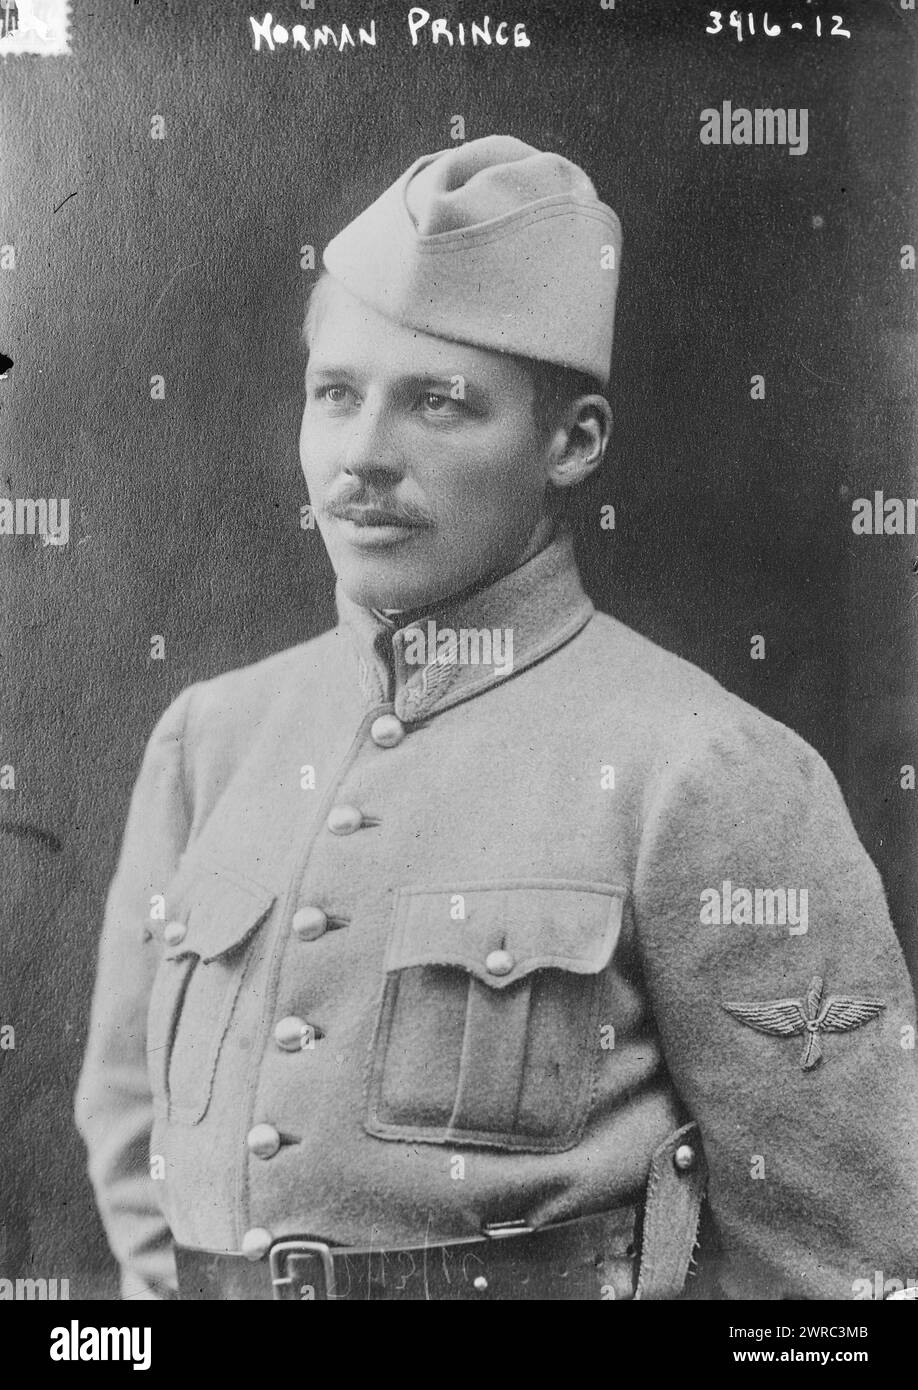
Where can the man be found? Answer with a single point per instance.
(424, 974)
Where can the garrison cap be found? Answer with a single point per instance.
(492, 243)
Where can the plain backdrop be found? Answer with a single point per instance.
(181, 257)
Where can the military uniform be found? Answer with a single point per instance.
(463, 979)
(422, 957)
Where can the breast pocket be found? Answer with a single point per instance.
(197, 984)
(489, 1027)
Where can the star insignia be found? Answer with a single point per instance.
(785, 1018)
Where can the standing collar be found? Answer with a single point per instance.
(463, 646)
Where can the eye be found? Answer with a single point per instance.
(335, 393)
(438, 402)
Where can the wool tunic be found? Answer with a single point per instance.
(394, 951)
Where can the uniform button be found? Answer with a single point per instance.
(256, 1243)
(309, 923)
(499, 963)
(263, 1141)
(344, 820)
(684, 1157)
(291, 1033)
(174, 932)
(387, 731)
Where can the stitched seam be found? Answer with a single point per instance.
(374, 1065)
(471, 1138)
(465, 1048)
(553, 885)
(659, 1273)
(573, 965)
(176, 986)
(194, 1114)
(461, 240)
(536, 653)
(591, 1082)
(649, 1232)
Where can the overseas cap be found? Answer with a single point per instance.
(492, 243)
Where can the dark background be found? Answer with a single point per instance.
(181, 257)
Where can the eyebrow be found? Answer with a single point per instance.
(418, 380)
(317, 369)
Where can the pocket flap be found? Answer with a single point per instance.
(219, 910)
(500, 932)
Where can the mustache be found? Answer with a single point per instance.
(361, 498)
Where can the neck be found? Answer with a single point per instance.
(545, 532)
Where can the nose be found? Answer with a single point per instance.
(371, 453)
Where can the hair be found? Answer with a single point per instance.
(554, 386)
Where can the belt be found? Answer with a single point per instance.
(510, 1261)
(590, 1257)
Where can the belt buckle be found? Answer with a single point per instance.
(282, 1281)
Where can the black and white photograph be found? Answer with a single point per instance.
(459, 662)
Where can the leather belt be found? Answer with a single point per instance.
(590, 1257)
(510, 1261)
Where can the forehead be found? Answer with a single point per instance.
(346, 333)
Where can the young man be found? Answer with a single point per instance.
(453, 995)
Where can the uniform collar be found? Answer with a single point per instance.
(464, 646)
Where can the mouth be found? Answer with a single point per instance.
(370, 528)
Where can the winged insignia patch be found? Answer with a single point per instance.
(419, 695)
(785, 1018)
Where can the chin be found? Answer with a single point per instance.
(382, 586)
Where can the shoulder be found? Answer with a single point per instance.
(238, 702)
(686, 719)
(263, 682)
(715, 775)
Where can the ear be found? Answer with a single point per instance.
(579, 443)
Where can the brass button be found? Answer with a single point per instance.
(344, 820)
(292, 1034)
(309, 923)
(480, 1283)
(256, 1243)
(387, 731)
(263, 1141)
(499, 963)
(174, 932)
(684, 1157)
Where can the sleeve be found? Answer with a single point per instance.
(792, 1040)
(114, 1111)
